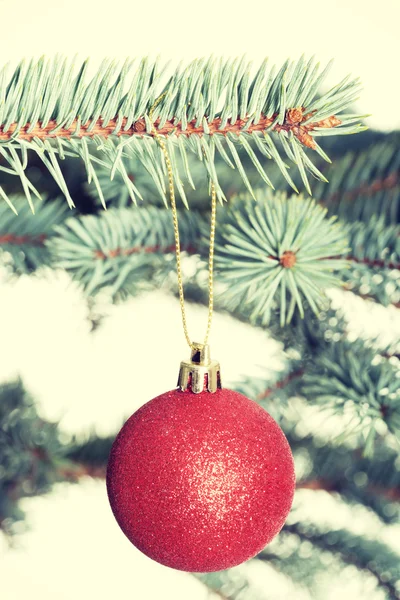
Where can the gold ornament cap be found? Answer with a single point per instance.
(200, 373)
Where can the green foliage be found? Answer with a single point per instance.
(352, 378)
(365, 185)
(274, 391)
(222, 125)
(126, 250)
(90, 450)
(305, 538)
(375, 256)
(371, 481)
(22, 237)
(120, 250)
(116, 193)
(277, 249)
(30, 449)
(235, 584)
(49, 108)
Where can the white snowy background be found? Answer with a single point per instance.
(74, 549)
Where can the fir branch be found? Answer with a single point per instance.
(375, 243)
(23, 237)
(233, 584)
(130, 245)
(358, 550)
(375, 259)
(116, 193)
(380, 184)
(30, 451)
(118, 127)
(348, 376)
(281, 384)
(374, 262)
(120, 250)
(273, 390)
(373, 481)
(279, 251)
(51, 109)
(364, 185)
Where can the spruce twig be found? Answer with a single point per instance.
(50, 109)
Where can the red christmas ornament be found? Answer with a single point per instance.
(200, 480)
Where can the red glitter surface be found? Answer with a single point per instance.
(200, 482)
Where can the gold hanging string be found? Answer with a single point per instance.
(177, 239)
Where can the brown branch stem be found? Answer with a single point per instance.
(115, 252)
(367, 189)
(280, 384)
(378, 262)
(293, 122)
(17, 240)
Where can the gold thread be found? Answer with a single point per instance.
(177, 239)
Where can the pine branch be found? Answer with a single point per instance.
(295, 122)
(278, 251)
(303, 335)
(23, 237)
(281, 384)
(358, 550)
(349, 377)
(116, 193)
(121, 250)
(375, 260)
(274, 390)
(379, 184)
(371, 478)
(365, 185)
(212, 106)
(375, 244)
(234, 584)
(352, 379)
(373, 481)
(30, 451)
(362, 183)
(124, 251)
(375, 254)
(90, 452)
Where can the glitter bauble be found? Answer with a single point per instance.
(200, 482)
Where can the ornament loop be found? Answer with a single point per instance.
(200, 373)
(168, 162)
